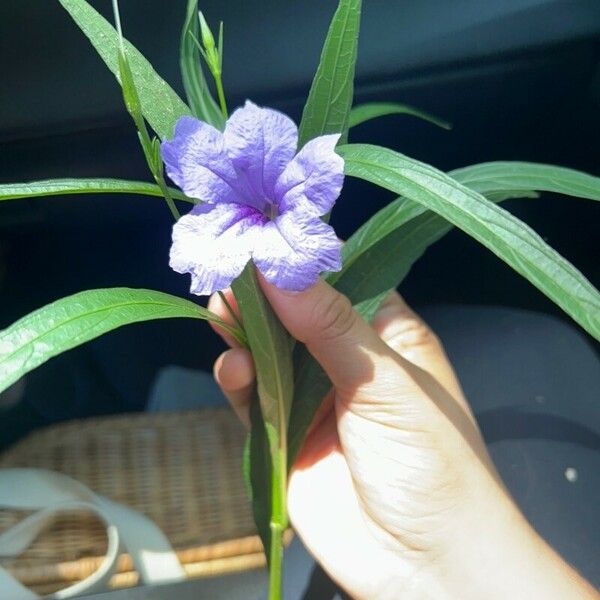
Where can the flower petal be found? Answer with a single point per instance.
(197, 162)
(313, 180)
(214, 242)
(294, 249)
(260, 143)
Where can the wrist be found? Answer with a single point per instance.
(494, 553)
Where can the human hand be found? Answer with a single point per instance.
(394, 492)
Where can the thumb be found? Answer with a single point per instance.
(339, 339)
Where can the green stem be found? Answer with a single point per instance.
(133, 106)
(276, 563)
(155, 166)
(221, 94)
(160, 180)
(278, 522)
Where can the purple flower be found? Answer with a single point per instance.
(262, 200)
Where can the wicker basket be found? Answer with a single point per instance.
(182, 470)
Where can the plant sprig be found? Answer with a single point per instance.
(150, 145)
(213, 56)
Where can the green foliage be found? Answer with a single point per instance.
(201, 101)
(310, 386)
(150, 145)
(257, 467)
(160, 104)
(267, 341)
(330, 99)
(507, 237)
(98, 185)
(506, 175)
(71, 321)
(372, 110)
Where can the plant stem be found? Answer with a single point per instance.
(221, 94)
(133, 106)
(160, 180)
(276, 563)
(278, 522)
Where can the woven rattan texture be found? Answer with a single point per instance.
(182, 470)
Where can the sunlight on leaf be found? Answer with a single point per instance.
(62, 187)
(329, 102)
(71, 321)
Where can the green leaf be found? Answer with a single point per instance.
(201, 101)
(311, 384)
(271, 348)
(62, 187)
(498, 181)
(160, 104)
(330, 98)
(504, 175)
(380, 225)
(507, 237)
(373, 273)
(258, 466)
(372, 110)
(71, 321)
(403, 229)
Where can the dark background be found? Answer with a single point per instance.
(519, 80)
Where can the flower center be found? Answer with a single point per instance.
(271, 210)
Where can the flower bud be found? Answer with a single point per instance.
(207, 37)
(209, 50)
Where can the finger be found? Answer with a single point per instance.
(234, 373)
(407, 334)
(342, 342)
(217, 306)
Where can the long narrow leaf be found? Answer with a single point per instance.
(71, 321)
(505, 175)
(201, 101)
(271, 349)
(498, 181)
(258, 466)
(62, 187)
(330, 99)
(267, 340)
(160, 104)
(373, 110)
(507, 237)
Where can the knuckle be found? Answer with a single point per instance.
(333, 317)
(411, 331)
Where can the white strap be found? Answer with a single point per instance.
(52, 493)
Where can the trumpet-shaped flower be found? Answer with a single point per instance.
(262, 200)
